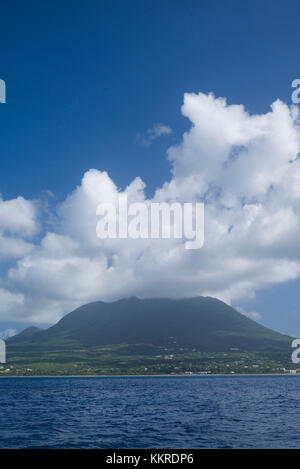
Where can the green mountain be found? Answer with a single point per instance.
(28, 332)
(201, 323)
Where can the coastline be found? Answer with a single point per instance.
(153, 376)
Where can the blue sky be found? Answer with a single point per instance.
(85, 79)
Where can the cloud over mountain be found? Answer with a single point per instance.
(246, 170)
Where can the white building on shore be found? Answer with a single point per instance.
(2, 351)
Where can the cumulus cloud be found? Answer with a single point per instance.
(18, 223)
(156, 131)
(18, 217)
(246, 170)
(11, 304)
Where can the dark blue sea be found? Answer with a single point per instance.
(150, 412)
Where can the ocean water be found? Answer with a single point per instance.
(150, 412)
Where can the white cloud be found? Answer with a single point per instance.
(244, 167)
(18, 223)
(13, 248)
(18, 217)
(11, 305)
(7, 333)
(156, 131)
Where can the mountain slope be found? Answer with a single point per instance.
(25, 334)
(203, 323)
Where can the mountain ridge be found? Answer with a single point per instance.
(204, 323)
(27, 332)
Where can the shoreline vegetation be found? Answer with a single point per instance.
(142, 360)
(114, 363)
